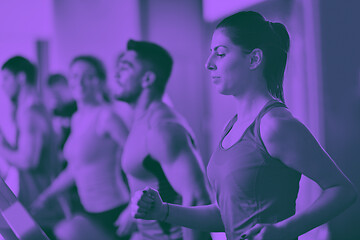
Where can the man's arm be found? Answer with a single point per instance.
(30, 142)
(169, 143)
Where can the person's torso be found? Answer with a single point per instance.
(143, 171)
(251, 187)
(33, 181)
(92, 159)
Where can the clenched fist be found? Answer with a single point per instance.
(147, 204)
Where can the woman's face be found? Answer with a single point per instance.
(228, 65)
(9, 83)
(84, 82)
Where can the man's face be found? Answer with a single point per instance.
(60, 92)
(128, 77)
(10, 83)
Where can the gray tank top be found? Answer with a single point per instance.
(251, 187)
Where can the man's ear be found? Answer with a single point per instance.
(148, 79)
(21, 77)
(256, 58)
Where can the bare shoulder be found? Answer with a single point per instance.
(167, 133)
(162, 113)
(108, 114)
(33, 115)
(166, 123)
(282, 133)
(109, 120)
(275, 120)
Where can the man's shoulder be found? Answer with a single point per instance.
(167, 122)
(165, 116)
(170, 133)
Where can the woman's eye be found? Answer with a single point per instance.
(220, 54)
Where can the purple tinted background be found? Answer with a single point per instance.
(322, 80)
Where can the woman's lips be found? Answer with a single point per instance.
(215, 79)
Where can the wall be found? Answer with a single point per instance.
(95, 27)
(178, 26)
(340, 38)
(22, 23)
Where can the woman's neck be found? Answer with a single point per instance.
(248, 105)
(89, 103)
(26, 93)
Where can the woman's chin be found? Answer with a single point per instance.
(223, 91)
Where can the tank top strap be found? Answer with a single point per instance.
(269, 106)
(229, 125)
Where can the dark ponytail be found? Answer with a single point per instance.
(250, 30)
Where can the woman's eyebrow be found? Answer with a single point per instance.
(216, 48)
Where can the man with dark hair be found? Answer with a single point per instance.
(17, 65)
(160, 151)
(34, 153)
(55, 79)
(63, 106)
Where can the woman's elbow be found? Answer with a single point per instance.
(29, 163)
(350, 193)
(353, 195)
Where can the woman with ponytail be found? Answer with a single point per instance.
(92, 152)
(256, 168)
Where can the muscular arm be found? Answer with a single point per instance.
(30, 142)
(170, 145)
(290, 141)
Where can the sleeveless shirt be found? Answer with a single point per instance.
(251, 186)
(92, 160)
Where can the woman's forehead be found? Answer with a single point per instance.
(220, 38)
(83, 65)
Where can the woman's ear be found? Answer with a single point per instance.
(148, 79)
(256, 58)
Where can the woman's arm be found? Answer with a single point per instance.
(147, 204)
(286, 139)
(111, 124)
(60, 184)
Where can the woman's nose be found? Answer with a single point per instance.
(209, 65)
(82, 82)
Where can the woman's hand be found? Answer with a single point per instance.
(39, 203)
(125, 223)
(147, 204)
(265, 232)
